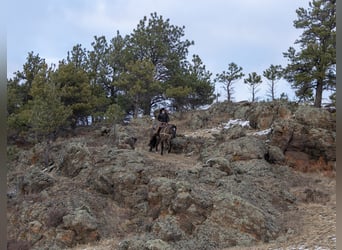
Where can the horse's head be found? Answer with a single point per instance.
(153, 141)
(173, 130)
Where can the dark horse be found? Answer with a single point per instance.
(164, 137)
(166, 134)
(154, 141)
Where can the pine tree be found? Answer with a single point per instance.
(48, 113)
(78, 56)
(253, 80)
(75, 92)
(113, 115)
(274, 73)
(139, 85)
(19, 95)
(228, 78)
(200, 82)
(313, 68)
(34, 63)
(160, 42)
(118, 57)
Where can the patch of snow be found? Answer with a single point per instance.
(238, 122)
(263, 132)
(204, 107)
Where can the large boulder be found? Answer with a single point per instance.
(311, 131)
(75, 157)
(313, 117)
(244, 148)
(82, 226)
(35, 181)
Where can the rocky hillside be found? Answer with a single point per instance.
(239, 176)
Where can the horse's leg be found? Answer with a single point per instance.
(169, 150)
(162, 147)
(157, 142)
(152, 143)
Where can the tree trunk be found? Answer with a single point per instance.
(273, 95)
(253, 93)
(228, 94)
(319, 93)
(135, 111)
(147, 108)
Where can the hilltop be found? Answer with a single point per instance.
(239, 176)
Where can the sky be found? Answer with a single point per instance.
(251, 33)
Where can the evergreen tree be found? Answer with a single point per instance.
(191, 87)
(253, 80)
(34, 63)
(274, 73)
(99, 71)
(313, 68)
(158, 41)
(99, 74)
(15, 96)
(228, 78)
(200, 82)
(75, 92)
(18, 90)
(48, 113)
(113, 115)
(139, 85)
(118, 57)
(18, 118)
(78, 56)
(179, 96)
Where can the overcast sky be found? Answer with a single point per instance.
(251, 33)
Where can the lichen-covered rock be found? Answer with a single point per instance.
(167, 228)
(313, 117)
(275, 155)
(310, 131)
(34, 181)
(83, 224)
(234, 221)
(157, 244)
(74, 158)
(244, 148)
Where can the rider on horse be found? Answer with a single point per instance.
(162, 132)
(163, 118)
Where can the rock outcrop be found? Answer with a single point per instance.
(218, 188)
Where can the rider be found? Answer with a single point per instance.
(163, 118)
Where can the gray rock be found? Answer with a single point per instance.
(313, 117)
(244, 148)
(83, 224)
(34, 181)
(167, 229)
(74, 158)
(275, 155)
(310, 131)
(221, 163)
(157, 244)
